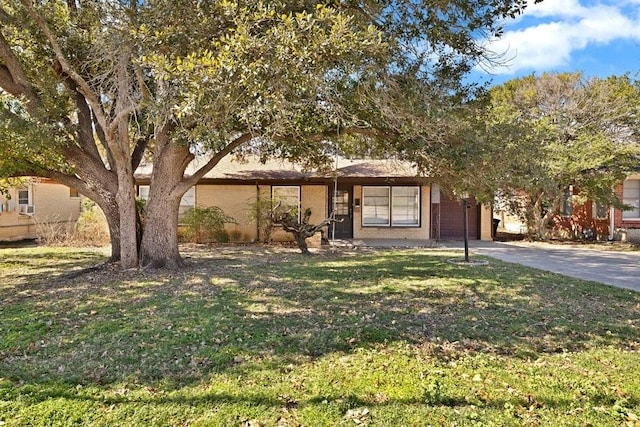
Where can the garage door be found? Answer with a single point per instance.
(451, 219)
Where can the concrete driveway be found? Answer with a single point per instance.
(615, 268)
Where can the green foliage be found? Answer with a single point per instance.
(548, 132)
(101, 82)
(263, 337)
(260, 213)
(206, 224)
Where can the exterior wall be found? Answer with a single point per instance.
(422, 232)
(236, 200)
(486, 223)
(53, 206)
(626, 229)
(314, 197)
(581, 223)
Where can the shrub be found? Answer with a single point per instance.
(202, 225)
(260, 214)
(91, 227)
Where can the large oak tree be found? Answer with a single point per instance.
(89, 88)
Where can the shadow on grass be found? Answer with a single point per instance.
(248, 310)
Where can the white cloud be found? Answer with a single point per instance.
(562, 27)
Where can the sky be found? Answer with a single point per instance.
(598, 37)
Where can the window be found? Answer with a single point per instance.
(631, 197)
(405, 209)
(143, 192)
(187, 202)
(23, 197)
(341, 202)
(390, 206)
(566, 203)
(25, 203)
(600, 210)
(289, 198)
(375, 206)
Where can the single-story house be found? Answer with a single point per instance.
(372, 199)
(40, 203)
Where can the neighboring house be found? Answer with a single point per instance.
(40, 203)
(374, 199)
(626, 224)
(591, 220)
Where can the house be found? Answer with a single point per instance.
(37, 205)
(625, 225)
(591, 220)
(372, 199)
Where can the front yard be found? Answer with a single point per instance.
(255, 336)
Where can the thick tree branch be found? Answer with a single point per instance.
(14, 80)
(242, 139)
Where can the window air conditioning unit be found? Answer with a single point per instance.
(26, 209)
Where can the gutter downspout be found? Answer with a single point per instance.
(258, 212)
(334, 203)
(612, 224)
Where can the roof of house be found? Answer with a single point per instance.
(251, 169)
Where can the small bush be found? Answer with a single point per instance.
(235, 236)
(91, 228)
(52, 232)
(260, 214)
(202, 225)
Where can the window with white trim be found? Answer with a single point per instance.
(566, 203)
(25, 201)
(600, 210)
(631, 197)
(187, 201)
(288, 196)
(23, 197)
(395, 206)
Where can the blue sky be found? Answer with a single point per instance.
(599, 38)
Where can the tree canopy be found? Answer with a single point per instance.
(90, 88)
(546, 133)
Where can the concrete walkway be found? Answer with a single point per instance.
(615, 268)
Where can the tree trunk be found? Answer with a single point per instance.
(111, 213)
(127, 211)
(302, 243)
(160, 238)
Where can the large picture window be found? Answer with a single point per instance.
(384, 206)
(631, 197)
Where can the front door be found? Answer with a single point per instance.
(343, 212)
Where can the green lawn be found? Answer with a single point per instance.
(268, 337)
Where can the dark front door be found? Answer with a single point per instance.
(343, 203)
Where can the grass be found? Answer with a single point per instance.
(267, 337)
